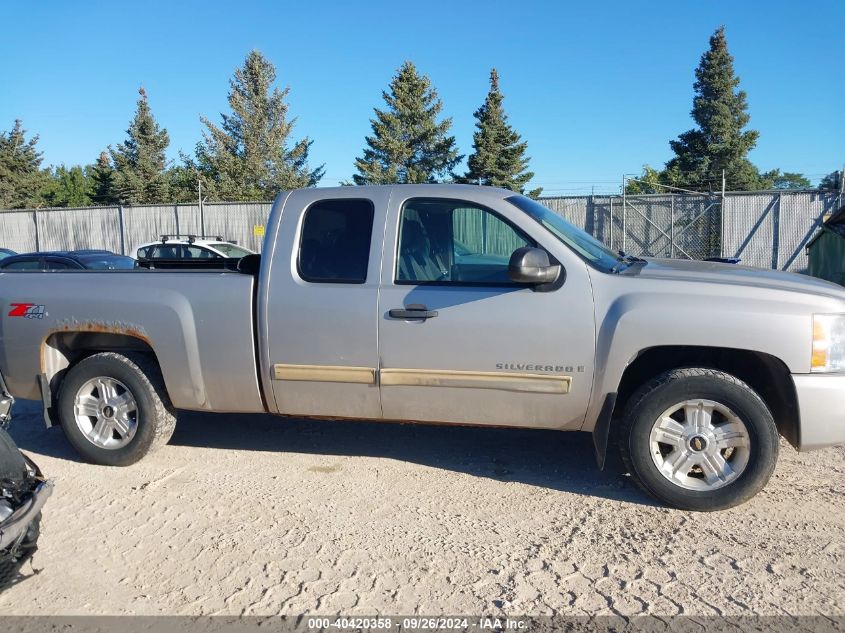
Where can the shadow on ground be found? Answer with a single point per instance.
(548, 459)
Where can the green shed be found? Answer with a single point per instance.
(826, 251)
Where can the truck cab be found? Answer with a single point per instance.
(409, 289)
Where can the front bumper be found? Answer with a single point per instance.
(13, 529)
(821, 405)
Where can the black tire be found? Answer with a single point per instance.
(142, 377)
(646, 406)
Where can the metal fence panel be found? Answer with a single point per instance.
(236, 221)
(75, 229)
(143, 224)
(18, 231)
(771, 229)
(804, 217)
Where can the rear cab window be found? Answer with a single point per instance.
(334, 246)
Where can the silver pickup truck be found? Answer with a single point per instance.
(445, 304)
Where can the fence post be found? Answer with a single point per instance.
(35, 221)
(624, 215)
(611, 222)
(176, 215)
(722, 218)
(776, 235)
(120, 225)
(672, 226)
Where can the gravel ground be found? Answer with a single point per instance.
(260, 515)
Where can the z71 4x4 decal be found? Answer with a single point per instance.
(28, 310)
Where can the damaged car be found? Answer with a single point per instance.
(23, 492)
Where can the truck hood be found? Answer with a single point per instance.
(735, 275)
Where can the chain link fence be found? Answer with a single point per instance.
(764, 229)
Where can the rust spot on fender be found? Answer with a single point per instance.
(101, 327)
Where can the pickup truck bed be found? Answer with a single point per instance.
(194, 320)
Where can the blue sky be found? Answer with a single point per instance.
(597, 89)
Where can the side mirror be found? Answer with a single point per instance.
(532, 266)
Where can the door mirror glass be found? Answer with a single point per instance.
(532, 266)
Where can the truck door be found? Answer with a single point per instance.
(460, 342)
(321, 303)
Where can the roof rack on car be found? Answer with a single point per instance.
(191, 238)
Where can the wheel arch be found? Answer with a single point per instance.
(766, 374)
(63, 349)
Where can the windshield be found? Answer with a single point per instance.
(584, 244)
(230, 250)
(115, 262)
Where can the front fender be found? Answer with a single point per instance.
(775, 323)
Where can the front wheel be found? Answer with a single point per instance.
(699, 439)
(114, 408)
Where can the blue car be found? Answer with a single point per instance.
(68, 260)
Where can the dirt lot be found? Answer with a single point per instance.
(257, 515)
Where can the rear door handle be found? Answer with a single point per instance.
(413, 311)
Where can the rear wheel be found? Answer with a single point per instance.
(114, 408)
(699, 439)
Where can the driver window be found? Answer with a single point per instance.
(449, 241)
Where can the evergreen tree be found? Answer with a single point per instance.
(21, 177)
(408, 145)
(183, 182)
(719, 142)
(498, 158)
(102, 176)
(70, 187)
(140, 161)
(249, 156)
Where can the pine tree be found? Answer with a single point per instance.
(140, 161)
(248, 157)
(21, 177)
(102, 175)
(720, 141)
(498, 157)
(183, 182)
(408, 145)
(70, 187)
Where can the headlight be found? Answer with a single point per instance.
(828, 342)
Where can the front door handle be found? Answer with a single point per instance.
(413, 311)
